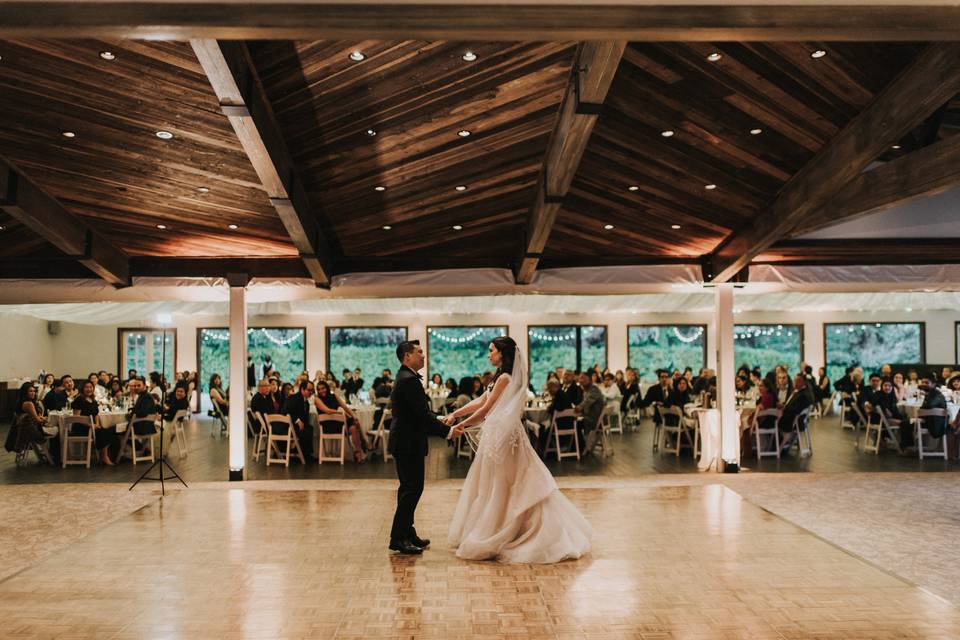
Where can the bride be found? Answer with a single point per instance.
(510, 508)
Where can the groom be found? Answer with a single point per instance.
(412, 422)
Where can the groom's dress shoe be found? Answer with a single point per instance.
(405, 547)
(420, 542)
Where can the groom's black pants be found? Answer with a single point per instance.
(410, 468)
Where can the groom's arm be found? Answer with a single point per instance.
(417, 404)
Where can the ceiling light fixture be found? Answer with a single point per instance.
(108, 55)
(203, 189)
(161, 226)
(232, 227)
(896, 146)
(164, 135)
(819, 53)
(469, 56)
(379, 188)
(667, 134)
(709, 187)
(756, 132)
(713, 57)
(457, 227)
(461, 187)
(371, 132)
(463, 133)
(357, 56)
(674, 226)
(608, 227)
(2, 227)
(387, 227)
(68, 134)
(633, 187)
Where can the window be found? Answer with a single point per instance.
(458, 352)
(143, 350)
(767, 345)
(652, 347)
(871, 345)
(372, 349)
(287, 348)
(567, 346)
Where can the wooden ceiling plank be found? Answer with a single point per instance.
(595, 66)
(25, 201)
(926, 84)
(234, 79)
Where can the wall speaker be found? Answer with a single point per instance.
(53, 327)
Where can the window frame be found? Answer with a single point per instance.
(200, 331)
(329, 328)
(923, 336)
(121, 330)
(706, 337)
(803, 345)
(606, 340)
(458, 326)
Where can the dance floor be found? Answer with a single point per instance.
(668, 562)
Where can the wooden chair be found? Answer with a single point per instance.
(770, 431)
(600, 434)
(253, 425)
(179, 436)
(861, 420)
(611, 418)
(81, 437)
(289, 439)
(681, 430)
(554, 444)
(263, 435)
(632, 417)
(131, 438)
(218, 418)
(847, 400)
(381, 436)
(804, 442)
(339, 438)
(657, 425)
(922, 431)
(877, 425)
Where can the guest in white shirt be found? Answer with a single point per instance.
(609, 389)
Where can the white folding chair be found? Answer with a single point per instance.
(804, 442)
(339, 438)
(681, 431)
(657, 425)
(632, 417)
(179, 436)
(847, 400)
(463, 448)
(600, 434)
(288, 439)
(554, 443)
(381, 436)
(922, 431)
(877, 425)
(218, 418)
(83, 440)
(263, 435)
(131, 438)
(611, 418)
(767, 432)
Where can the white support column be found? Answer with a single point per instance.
(238, 374)
(726, 375)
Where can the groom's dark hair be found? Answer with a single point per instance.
(406, 347)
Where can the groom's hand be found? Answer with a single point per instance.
(449, 420)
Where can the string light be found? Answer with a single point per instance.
(697, 332)
(280, 342)
(470, 337)
(753, 331)
(543, 337)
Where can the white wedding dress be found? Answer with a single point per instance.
(510, 508)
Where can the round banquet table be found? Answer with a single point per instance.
(438, 400)
(115, 419)
(912, 407)
(364, 413)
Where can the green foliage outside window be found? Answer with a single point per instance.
(370, 348)
(286, 348)
(871, 345)
(137, 355)
(458, 352)
(767, 345)
(556, 346)
(653, 347)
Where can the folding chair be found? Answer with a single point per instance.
(218, 418)
(923, 431)
(289, 439)
(681, 430)
(804, 442)
(600, 434)
(611, 418)
(82, 436)
(253, 425)
(632, 417)
(657, 425)
(128, 447)
(877, 425)
(263, 435)
(179, 436)
(554, 444)
(769, 431)
(381, 436)
(847, 400)
(332, 438)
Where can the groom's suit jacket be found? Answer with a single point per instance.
(412, 420)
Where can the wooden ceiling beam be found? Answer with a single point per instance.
(235, 81)
(665, 21)
(919, 174)
(594, 66)
(866, 252)
(922, 87)
(255, 267)
(22, 199)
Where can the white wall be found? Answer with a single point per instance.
(83, 348)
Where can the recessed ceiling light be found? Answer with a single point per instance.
(667, 134)
(164, 135)
(819, 53)
(469, 56)
(108, 55)
(461, 187)
(2, 227)
(633, 187)
(896, 146)
(68, 134)
(457, 227)
(713, 57)
(371, 132)
(161, 226)
(387, 227)
(463, 133)
(203, 189)
(357, 56)
(379, 188)
(756, 132)
(674, 226)
(232, 226)
(608, 227)
(709, 187)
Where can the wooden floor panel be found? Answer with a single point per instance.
(677, 562)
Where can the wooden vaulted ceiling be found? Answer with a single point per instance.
(374, 143)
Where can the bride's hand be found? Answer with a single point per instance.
(449, 420)
(456, 432)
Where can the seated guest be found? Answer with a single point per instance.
(953, 384)
(347, 383)
(913, 379)
(886, 371)
(103, 379)
(297, 407)
(823, 384)
(217, 395)
(610, 391)
(286, 390)
(116, 389)
(157, 383)
(766, 400)
(657, 394)
(177, 403)
(945, 374)
(589, 408)
(436, 382)
(143, 405)
(477, 387)
(743, 388)
(630, 391)
(800, 399)
(699, 384)
(46, 386)
(679, 396)
(933, 399)
(28, 421)
(464, 393)
(264, 402)
(105, 439)
(869, 393)
(570, 394)
(783, 388)
(886, 403)
(61, 396)
(327, 403)
(899, 386)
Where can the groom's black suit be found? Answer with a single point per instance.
(411, 423)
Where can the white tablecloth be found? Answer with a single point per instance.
(438, 400)
(911, 408)
(115, 419)
(709, 438)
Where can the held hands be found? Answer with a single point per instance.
(449, 420)
(456, 432)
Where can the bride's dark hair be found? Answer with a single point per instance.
(508, 351)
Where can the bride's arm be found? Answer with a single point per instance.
(491, 400)
(468, 408)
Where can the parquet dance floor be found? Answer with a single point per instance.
(668, 562)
